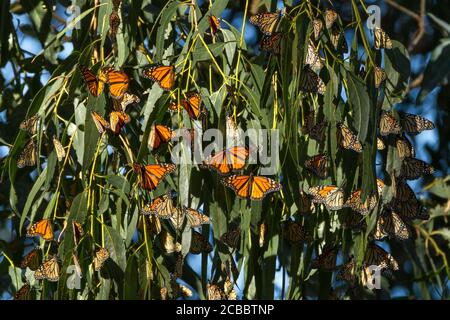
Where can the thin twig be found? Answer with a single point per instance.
(403, 9)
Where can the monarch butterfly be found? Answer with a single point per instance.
(305, 203)
(251, 187)
(195, 218)
(317, 26)
(382, 39)
(355, 222)
(311, 82)
(101, 255)
(117, 81)
(192, 105)
(413, 168)
(294, 232)
(308, 121)
(127, 99)
(229, 290)
(214, 292)
(117, 120)
(266, 21)
(30, 125)
(377, 256)
(114, 23)
(176, 219)
(185, 291)
(151, 175)
(178, 270)
(326, 260)
(318, 131)
(168, 242)
(380, 144)
(23, 293)
(48, 270)
(228, 160)
(100, 122)
(159, 134)
(94, 83)
(347, 271)
(389, 224)
(161, 206)
(78, 232)
(41, 228)
(380, 186)
(60, 152)
(380, 76)
(355, 202)
(199, 243)
(262, 234)
(163, 293)
(214, 23)
(347, 139)
(388, 124)
(231, 238)
(28, 156)
(410, 210)
(336, 38)
(318, 164)
(272, 43)
(404, 147)
(330, 17)
(313, 58)
(31, 260)
(414, 124)
(403, 192)
(331, 196)
(163, 75)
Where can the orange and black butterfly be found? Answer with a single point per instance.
(29, 155)
(23, 293)
(317, 26)
(118, 119)
(326, 260)
(404, 147)
(311, 82)
(330, 17)
(49, 270)
(127, 99)
(409, 210)
(388, 124)
(31, 260)
(413, 168)
(304, 203)
(41, 228)
(272, 43)
(159, 134)
(151, 175)
(251, 187)
(329, 195)
(266, 21)
(390, 224)
(382, 39)
(228, 160)
(355, 202)
(114, 23)
(347, 271)
(30, 125)
(317, 132)
(215, 292)
(199, 243)
(347, 139)
(161, 206)
(192, 104)
(195, 218)
(380, 76)
(214, 23)
(100, 258)
(318, 164)
(117, 81)
(100, 122)
(232, 237)
(94, 83)
(294, 232)
(414, 124)
(163, 75)
(377, 256)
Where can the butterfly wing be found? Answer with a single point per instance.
(100, 122)
(380, 76)
(100, 258)
(262, 186)
(415, 124)
(31, 260)
(128, 99)
(41, 228)
(195, 218)
(347, 139)
(318, 164)
(30, 125)
(272, 43)
(382, 39)
(163, 75)
(239, 184)
(388, 124)
(23, 293)
(48, 270)
(28, 157)
(228, 160)
(199, 243)
(214, 23)
(413, 168)
(159, 134)
(152, 175)
(266, 21)
(60, 152)
(117, 120)
(94, 84)
(192, 105)
(117, 81)
(161, 206)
